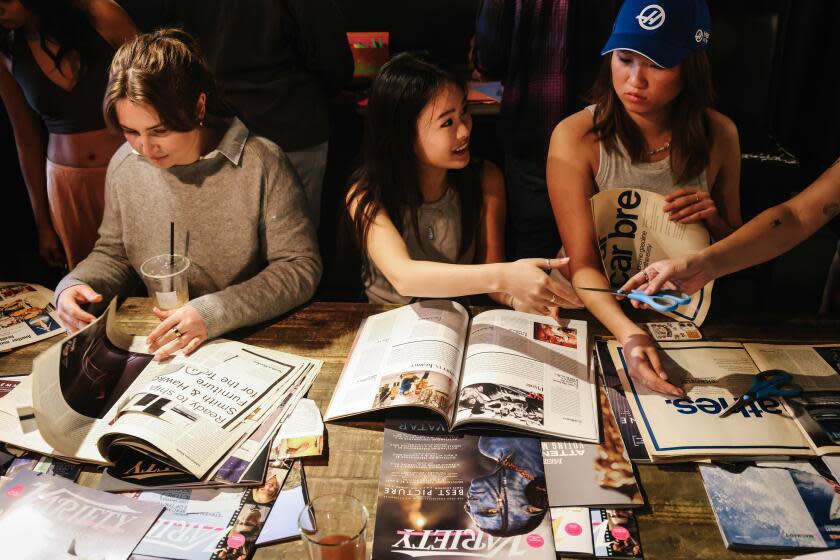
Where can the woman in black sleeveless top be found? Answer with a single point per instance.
(53, 70)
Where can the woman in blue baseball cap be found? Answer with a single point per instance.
(651, 127)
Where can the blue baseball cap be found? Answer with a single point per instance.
(664, 31)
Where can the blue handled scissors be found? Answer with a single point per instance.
(770, 383)
(663, 300)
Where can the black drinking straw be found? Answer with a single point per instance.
(171, 255)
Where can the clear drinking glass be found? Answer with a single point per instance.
(333, 527)
(165, 277)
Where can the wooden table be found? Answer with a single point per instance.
(677, 523)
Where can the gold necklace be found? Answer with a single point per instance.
(661, 148)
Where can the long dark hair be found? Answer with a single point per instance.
(388, 178)
(166, 70)
(691, 131)
(60, 21)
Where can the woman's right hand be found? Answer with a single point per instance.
(49, 247)
(532, 289)
(686, 274)
(643, 364)
(71, 315)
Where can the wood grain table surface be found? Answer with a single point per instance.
(676, 524)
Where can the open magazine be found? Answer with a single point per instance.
(516, 370)
(714, 375)
(633, 231)
(93, 398)
(26, 315)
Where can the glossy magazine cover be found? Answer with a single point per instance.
(50, 517)
(459, 496)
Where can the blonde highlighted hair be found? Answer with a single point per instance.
(164, 69)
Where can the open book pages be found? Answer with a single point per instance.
(26, 315)
(633, 232)
(91, 398)
(714, 375)
(516, 370)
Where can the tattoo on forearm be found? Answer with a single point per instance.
(831, 209)
(776, 223)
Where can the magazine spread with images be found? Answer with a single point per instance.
(511, 369)
(792, 507)
(48, 516)
(581, 532)
(92, 398)
(602, 473)
(26, 315)
(633, 232)
(456, 496)
(714, 375)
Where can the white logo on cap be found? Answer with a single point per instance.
(701, 36)
(651, 17)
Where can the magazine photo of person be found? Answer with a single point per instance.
(502, 401)
(554, 334)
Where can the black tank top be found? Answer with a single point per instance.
(66, 112)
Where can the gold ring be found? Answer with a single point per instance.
(553, 301)
(177, 332)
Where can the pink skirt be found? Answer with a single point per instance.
(77, 199)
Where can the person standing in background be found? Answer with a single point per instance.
(54, 58)
(278, 64)
(545, 52)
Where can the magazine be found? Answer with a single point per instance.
(458, 496)
(634, 445)
(633, 232)
(714, 375)
(582, 532)
(507, 368)
(26, 315)
(45, 516)
(791, 507)
(591, 474)
(282, 522)
(91, 397)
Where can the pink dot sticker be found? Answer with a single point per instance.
(535, 541)
(15, 490)
(621, 533)
(235, 540)
(573, 529)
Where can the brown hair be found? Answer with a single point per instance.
(691, 131)
(166, 70)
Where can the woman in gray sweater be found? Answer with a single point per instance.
(252, 247)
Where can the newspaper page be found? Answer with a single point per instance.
(713, 375)
(26, 315)
(817, 370)
(633, 232)
(90, 395)
(409, 356)
(529, 372)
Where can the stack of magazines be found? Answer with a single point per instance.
(199, 446)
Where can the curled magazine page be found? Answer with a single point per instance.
(403, 357)
(633, 232)
(529, 372)
(194, 409)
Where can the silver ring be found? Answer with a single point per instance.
(547, 264)
(177, 332)
(697, 196)
(647, 278)
(553, 301)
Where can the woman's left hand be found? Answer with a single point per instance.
(688, 205)
(181, 328)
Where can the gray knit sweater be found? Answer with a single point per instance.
(252, 246)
